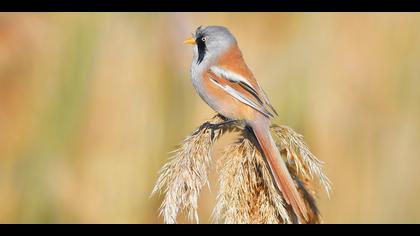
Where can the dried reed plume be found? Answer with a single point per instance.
(247, 192)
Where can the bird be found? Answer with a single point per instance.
(223, 80)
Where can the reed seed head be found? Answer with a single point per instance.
(247, 193)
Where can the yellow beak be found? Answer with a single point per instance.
(190, 40)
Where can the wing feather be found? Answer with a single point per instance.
(266, 100)
(257, 91)
(241, 97)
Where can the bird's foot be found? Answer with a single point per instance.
(215, 126)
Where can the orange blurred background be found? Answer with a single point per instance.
(91, 104)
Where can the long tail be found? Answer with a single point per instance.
(261, 129)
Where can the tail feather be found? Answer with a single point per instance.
(278, 168)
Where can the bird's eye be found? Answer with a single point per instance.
(204, 38)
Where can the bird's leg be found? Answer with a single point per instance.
(219, 125)
(215, 126)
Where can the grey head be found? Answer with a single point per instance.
(211, 42)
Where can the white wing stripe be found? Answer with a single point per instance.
(232, 76)
(239, 96)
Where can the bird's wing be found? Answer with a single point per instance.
(258, 98)
(266, 100)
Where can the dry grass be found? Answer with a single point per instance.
(247, 192)
(305, 165)
(182, 178)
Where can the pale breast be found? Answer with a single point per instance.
(199, 85)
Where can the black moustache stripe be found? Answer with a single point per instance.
(201, 46)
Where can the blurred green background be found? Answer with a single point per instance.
(91, 104)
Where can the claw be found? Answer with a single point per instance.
(214, 127)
